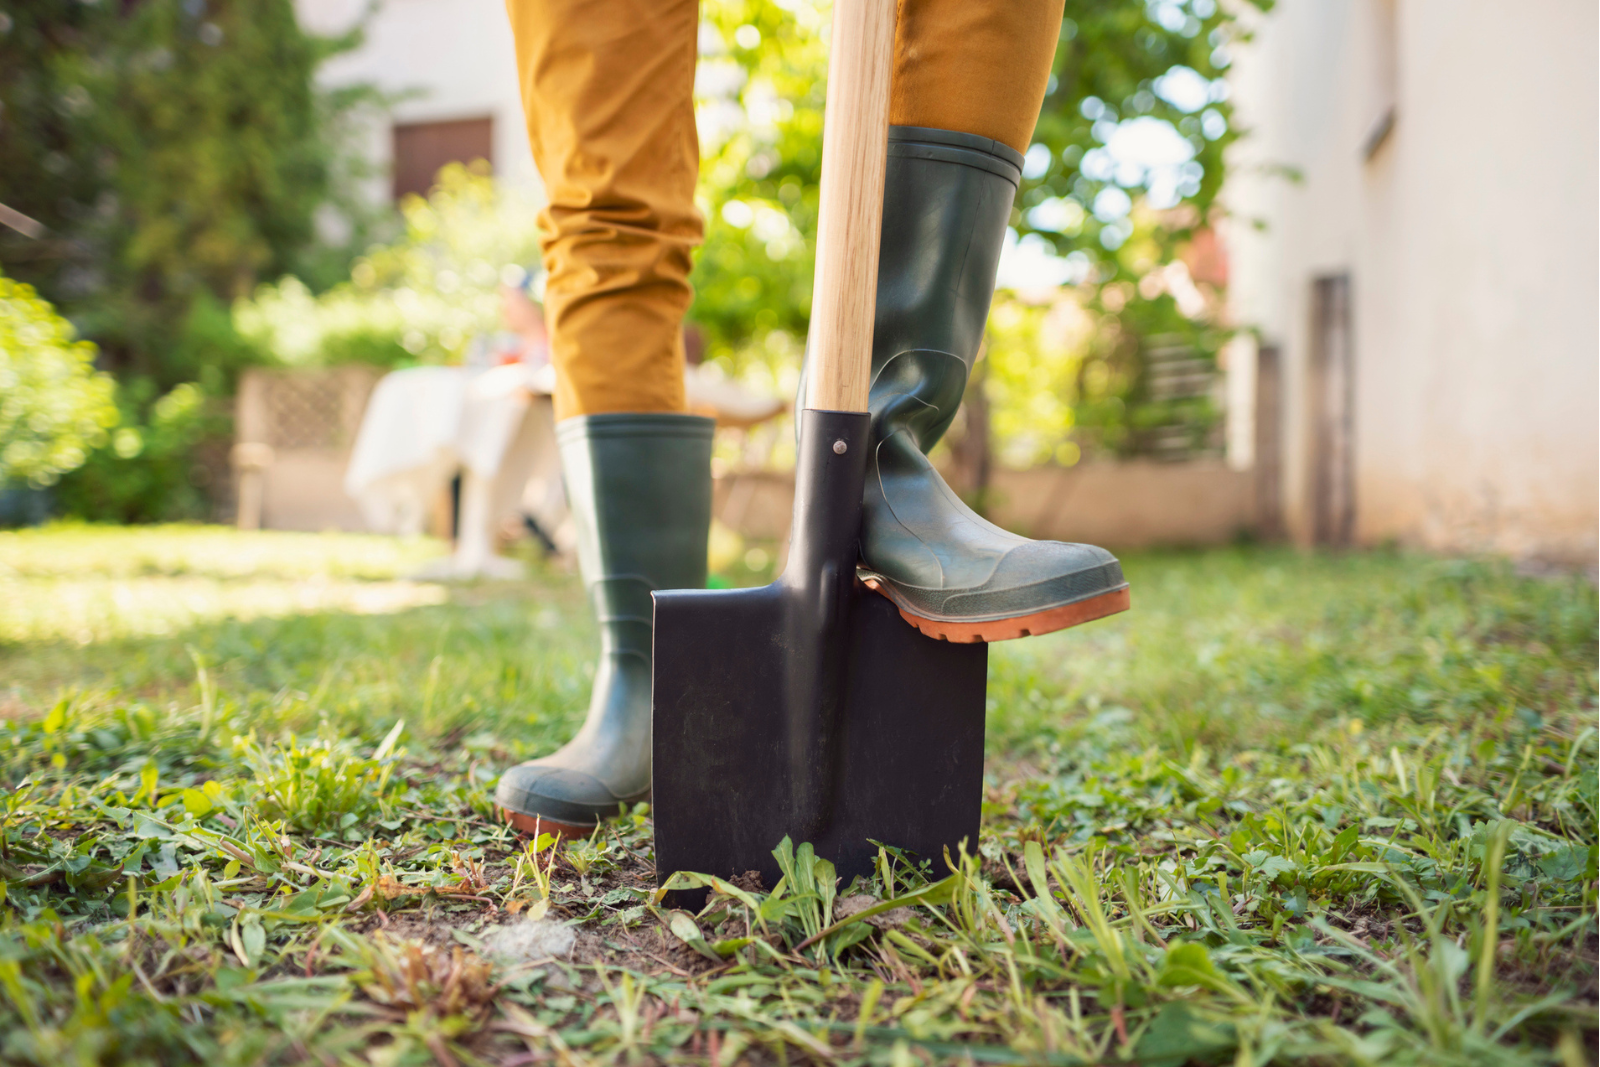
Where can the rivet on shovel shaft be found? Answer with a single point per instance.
(839, 447)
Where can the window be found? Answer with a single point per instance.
(421, 148)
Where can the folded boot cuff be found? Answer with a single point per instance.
(632, 424)
(967, 149)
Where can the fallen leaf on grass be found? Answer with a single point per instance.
(529, 941)
(389, 887)
(685, 929)
(415, 977)
(856, 903)
(361, 900)
(535, 912)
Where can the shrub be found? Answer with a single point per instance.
(54, 406)
(422, 298)
(174, 151)
(146, 471)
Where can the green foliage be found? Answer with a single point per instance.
(1135, 71)
(320, 786)
(1295, 808)
(54, 406)
(1130, 69)
(762, 84)
(1140, 64)
(1033, 378)
(422, 298)
(1118, 412)
(147, 470)
(1067, 378)
(175, 152)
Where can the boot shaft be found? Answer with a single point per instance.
(639, 486)
(947, 202)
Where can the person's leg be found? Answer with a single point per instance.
(979, 68)
(968, 83)
(608, 90)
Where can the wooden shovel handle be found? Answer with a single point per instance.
(854, 154)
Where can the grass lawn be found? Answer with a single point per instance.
(1339, 809)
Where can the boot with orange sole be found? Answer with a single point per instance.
(952, 574)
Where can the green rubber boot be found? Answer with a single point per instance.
(953, 575)
(639, 487)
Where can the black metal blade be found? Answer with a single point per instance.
(910, 746)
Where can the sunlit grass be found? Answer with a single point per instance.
(69, 549)
(85, 584)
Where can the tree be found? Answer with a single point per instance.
(54, 406)
(174, 151)
(1145, 76)
(1122, 180)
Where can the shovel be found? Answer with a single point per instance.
(809, 708)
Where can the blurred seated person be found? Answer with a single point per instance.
(524, 339)
(711, 394)
(488, 422)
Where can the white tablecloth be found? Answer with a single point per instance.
(424, 424)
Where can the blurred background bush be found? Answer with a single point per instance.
(166, 157)
(54, 406)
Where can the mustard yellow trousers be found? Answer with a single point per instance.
(607, 87)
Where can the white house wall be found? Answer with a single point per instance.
(446, 59)
(1470, 237)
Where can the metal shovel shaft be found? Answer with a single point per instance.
(816, 585)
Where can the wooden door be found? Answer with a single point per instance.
(421, 148)
(1333, 504)
(1269, 443)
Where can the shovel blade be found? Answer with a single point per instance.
(909, 752)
